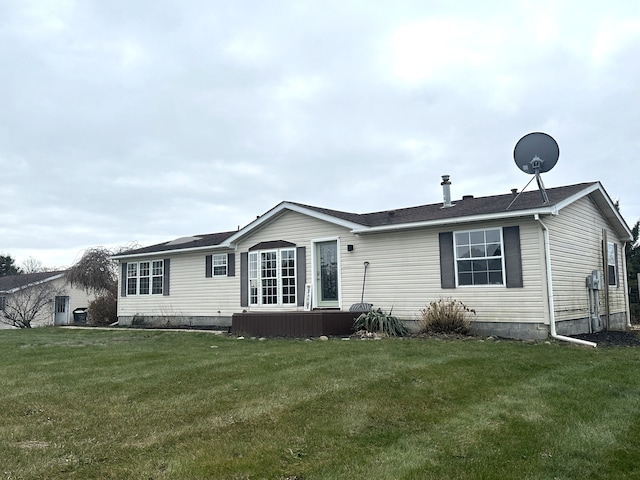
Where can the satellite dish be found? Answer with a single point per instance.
(536, 153)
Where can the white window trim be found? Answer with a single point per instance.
(611, 262)
(224, 257)
(278, 277)
(150, 276)
(456, 259)
(314, 281)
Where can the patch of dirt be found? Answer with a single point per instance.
(612, 338)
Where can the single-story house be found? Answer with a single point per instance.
(44, 296)
(529, 268)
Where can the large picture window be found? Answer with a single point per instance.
(479, 257)
(144, 278)
(272, 277)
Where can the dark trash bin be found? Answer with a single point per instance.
(80, 316)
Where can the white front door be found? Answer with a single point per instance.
(326, 274)
(62, 311)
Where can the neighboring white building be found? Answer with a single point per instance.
(46, 292)
(519, 263)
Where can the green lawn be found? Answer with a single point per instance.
(140, 404)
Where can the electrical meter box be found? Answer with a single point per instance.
(596, 280)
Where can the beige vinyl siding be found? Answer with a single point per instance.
(576, 250)
(190, 293)
(303, 231)
(404, 274)
(78, 298)
(404, 268)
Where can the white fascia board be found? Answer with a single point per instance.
(577, 196)
(606, 206)
(162, 253)
(294, 208)
(611, 213)
(33, 284)
(551, 210)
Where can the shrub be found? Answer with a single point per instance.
(377, 321)
(446, 316)
(103, 310)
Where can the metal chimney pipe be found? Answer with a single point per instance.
(446, 191)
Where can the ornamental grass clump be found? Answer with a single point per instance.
(377, 321)
(446, 316)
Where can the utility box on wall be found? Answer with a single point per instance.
(594, 281)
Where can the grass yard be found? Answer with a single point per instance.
(140, 404)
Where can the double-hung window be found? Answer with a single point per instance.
(219, 264)
(612, 263)
(144, 278)
(479, 257)
(272, 277)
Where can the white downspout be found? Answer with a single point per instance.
(552, 315)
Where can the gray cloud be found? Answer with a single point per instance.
(145, 121)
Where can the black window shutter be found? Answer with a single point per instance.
(512, 256)
(301, 273)
(231, 265)
(447, 268)
(165, 277)
(208, 268)
(123, 286)
(244, 279)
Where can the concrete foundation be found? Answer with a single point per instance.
(174, 321)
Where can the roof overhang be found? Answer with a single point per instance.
(551, 210)
(279, 210)
(33, 284)
(164, 253)
(602, 200)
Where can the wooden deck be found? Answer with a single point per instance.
(293, 324)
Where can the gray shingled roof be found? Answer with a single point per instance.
(468, 206)
(465, 207)
(195, 241)
(12, 282)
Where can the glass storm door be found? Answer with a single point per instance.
(327, 274)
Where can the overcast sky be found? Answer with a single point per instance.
(145, 120)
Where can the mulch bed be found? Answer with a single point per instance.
(612, 338)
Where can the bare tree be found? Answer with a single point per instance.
(31, 265)
(96, 272)
(22, 307)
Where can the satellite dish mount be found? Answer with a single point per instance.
(536, 153)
